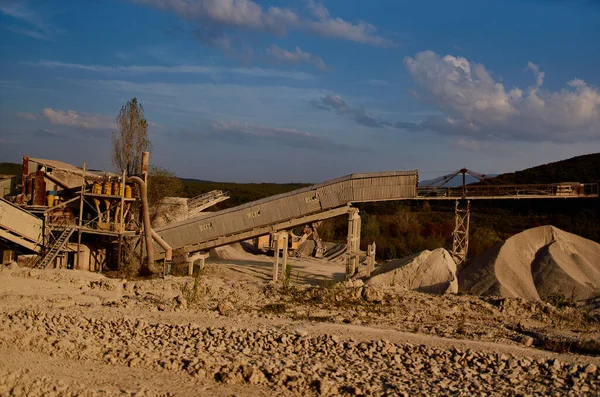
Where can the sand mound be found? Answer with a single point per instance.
(170, 210)
(236, 252)
(535, 264)
(12, 265)
(428, 271)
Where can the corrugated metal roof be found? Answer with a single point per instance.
(60, 165)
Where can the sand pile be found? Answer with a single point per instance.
(535, 264)
(428, 271)
(170, 210)
(235, 251)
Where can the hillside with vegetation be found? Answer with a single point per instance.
(584, 169)
(240, 193)
(10, 169)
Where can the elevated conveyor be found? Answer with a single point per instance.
(19, 227)
(288, 210)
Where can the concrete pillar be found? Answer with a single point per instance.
(370, 259)
(353, 242)
(191, 258)
(285, 236)
(7, 256)
(276, 257)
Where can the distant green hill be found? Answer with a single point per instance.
(240, 192)
(10, 169)
(585, 169)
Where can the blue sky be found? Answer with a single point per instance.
(307, 90)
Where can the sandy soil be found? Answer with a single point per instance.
(230, 332)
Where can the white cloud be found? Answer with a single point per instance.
(71, 118)
(296, 57)
(361, 32)
(39, 28)
(337, 104)
(476, 105)
(27, 32)
(235, 131)
(28, 116)
(258, 131)
(182, 69)
(318, 9)
(472, 144)
(206, 92)
(249, 15)
(189, 103)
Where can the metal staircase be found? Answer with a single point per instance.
(56, 248)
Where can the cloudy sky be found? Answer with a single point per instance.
(304, 90)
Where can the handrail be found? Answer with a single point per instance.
(550, 189)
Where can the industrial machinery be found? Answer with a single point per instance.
(58, 201)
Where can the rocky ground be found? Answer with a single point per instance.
(68, 333)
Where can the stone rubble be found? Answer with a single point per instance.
(283, 361)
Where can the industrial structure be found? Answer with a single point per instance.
(66, 216)
(80, 216)
(193, 238)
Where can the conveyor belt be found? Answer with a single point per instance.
(287, 210)
(19, 227)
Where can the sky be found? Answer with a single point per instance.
(304, 90)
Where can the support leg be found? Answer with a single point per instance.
(370, 259)
(353, 242)
(284, 264)
(276, 257)
(193, 258)
(460, 235)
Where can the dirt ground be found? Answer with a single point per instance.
(229, 331)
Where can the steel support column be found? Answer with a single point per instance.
(460, 235)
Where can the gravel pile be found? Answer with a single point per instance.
(538, 263)
(431, 272)
(289, 361)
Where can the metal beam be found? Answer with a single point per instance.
(290, 224)
(15, 239)
(63, 204)
(520, 197)
(460, 235)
